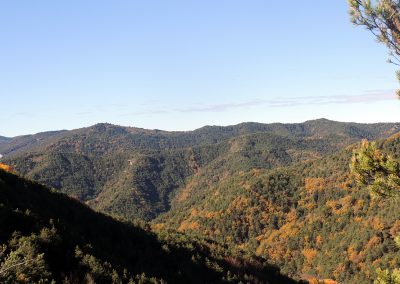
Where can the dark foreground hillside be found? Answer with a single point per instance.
(46, 236)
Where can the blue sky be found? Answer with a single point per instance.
(180, 65)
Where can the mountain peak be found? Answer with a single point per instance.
(320, 120)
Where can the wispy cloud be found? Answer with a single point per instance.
(146, 112)
(366, 97)
(220, 107)
(85, 113)
(151, 112)
(16, 115)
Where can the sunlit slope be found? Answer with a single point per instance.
(309, 218)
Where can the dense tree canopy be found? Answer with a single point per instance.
(279, 191)
(47, 237)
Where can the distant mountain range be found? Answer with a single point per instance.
(280, 191)
(138, 138)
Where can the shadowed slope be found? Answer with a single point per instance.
(80, 244)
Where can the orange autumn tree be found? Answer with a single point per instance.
(7, 168)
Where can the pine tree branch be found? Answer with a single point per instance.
(15, 265)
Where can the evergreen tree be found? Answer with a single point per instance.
(379, 172)
(382, 18)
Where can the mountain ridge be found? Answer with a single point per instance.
(113, 167)
(281, 191)
(22, 143)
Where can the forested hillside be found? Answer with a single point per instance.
(4, 140)
(282, 192)
(136, 172)
(26, 142)
(47, 236)
(94, 137)
(310, 218)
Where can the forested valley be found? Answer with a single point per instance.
(256, 203)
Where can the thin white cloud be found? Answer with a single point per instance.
(19, 115)
(367, 97)
(221, 107)
(85, 113)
